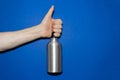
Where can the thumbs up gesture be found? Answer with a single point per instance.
(49, 25)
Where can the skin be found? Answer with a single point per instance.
(9, 40)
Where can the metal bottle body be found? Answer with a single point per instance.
(54, 56)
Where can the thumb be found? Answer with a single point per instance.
(50, 12)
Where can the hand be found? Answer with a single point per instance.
(49, 25)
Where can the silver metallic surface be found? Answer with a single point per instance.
(54, 56)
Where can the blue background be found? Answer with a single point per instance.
(90, 39)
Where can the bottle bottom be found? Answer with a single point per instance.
(54, 73)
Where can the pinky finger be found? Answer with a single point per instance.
(57, 34)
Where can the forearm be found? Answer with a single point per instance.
(45, 29)
(13, 39)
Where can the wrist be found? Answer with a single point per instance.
(37, 31)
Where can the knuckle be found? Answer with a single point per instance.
(60, 30)
(56, 34)
(60, 26)
(59, 20)
(57, 26)
(55, 30)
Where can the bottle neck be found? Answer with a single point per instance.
(54, 39)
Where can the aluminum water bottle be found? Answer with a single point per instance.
(54, 57)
